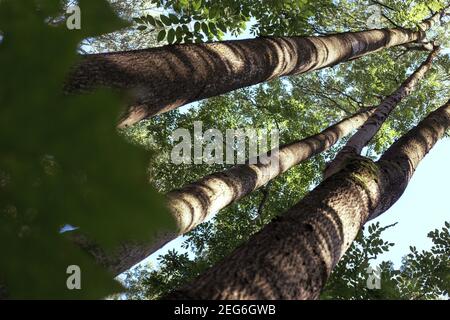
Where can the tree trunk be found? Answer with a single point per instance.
(366, 133)
(292, 257)
(162, 79)
(165, 78)
(196, 202)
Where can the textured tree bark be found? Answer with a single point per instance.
(366, 133)
(292, 257)
(162, 79)
(196, 202)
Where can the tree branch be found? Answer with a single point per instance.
(265, 191)
(384, 5)
(391, 21)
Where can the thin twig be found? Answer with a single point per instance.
(384, 5)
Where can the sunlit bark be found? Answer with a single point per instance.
(292, 257)
(162, 79)
(196, 202)
(165, 78)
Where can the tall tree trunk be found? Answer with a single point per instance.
(196, 202)
(366, 133)
(292, 257)
(165, 78)
(162, 79)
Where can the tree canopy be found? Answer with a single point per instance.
(63, 161)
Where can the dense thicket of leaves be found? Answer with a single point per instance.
(422, 275)
(132, 37)
(201, 20)
(181, 21)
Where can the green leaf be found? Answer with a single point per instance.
(205, 28)
(161, 35)
(151, 20)
(214, 12)
(212, 28)
(196, 4)
(173, 18)
(222, 27)
(65, 160)
(171, 36)
(179, 34)
(166, 20)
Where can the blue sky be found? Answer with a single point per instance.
(423, 207)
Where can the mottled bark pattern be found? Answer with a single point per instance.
(292, 257)
(196, 202)
(124, 256)
(161, 79)
(409, 150)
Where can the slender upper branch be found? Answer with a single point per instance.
(366, 133)
(293, 256)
